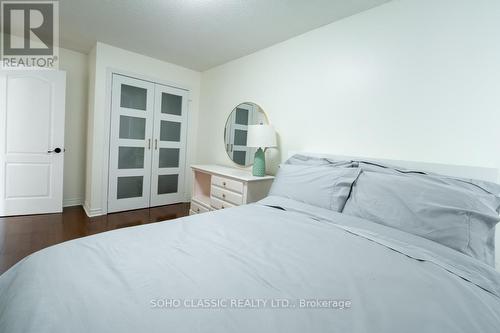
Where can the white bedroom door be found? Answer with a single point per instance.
(169, 132)
(130, 143)
(32, 106)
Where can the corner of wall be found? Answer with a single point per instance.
(90, 127)
(91, 212)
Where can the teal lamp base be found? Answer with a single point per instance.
(259, 163)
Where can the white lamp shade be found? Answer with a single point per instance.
(261, 136)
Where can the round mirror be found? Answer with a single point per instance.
(236, 130)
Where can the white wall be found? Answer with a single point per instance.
(409, 80)
(75, 65)
(91, 168)
(412, 79)
(104, 58)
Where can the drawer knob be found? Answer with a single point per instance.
(222, 207)
(223, 183)
(198, 210)
(223, 195)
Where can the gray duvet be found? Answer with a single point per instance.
(254, 268)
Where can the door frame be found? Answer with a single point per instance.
(107, 126)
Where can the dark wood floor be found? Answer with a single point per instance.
(23, 235)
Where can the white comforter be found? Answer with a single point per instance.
(251, 269)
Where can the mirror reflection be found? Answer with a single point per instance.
(236, 130)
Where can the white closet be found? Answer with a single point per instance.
(147, 144)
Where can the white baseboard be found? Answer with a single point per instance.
(92, 212)
(72, 202)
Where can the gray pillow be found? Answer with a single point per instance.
(299, 159)
(467, 183)
(452, 212)
(321, 186)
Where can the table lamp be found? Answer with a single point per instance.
(260, 136)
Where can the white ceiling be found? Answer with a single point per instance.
(197, 34)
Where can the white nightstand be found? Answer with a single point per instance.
(219, 187)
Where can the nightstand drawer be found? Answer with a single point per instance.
(225, 195)
(229, 184)
(219, 204)
(197, 208)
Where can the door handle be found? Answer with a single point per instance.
(56, 150)
(149, 143)
(156, 144)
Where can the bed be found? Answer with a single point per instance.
(280, 265)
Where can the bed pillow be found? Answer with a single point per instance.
(460, 216)
(474, 185)
(321, 186)
(299, 159)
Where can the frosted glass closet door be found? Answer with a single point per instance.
(169, 152)
(130, 150)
